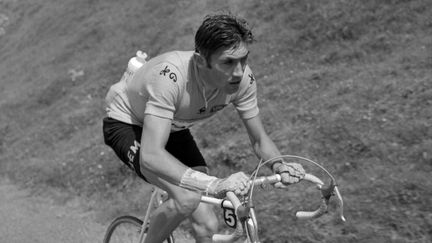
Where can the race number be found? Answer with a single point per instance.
(229, 217)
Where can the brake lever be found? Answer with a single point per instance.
(341, 204)
(331, 190)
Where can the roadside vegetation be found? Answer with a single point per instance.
(346, 83)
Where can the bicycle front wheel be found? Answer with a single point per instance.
(127, 229)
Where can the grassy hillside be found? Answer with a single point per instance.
(347, 83)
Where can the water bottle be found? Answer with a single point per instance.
(133, 65)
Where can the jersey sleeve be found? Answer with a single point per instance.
(245, 102)
(163, 90)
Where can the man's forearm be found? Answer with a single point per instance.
(266, 150)
(163, 165)
(170, 169)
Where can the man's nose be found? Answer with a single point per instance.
(238, 70)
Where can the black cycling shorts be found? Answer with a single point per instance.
(125, 139)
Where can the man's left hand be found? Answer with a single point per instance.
(290, 173)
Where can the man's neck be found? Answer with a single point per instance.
(202, 74)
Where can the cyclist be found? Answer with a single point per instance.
(149, 116)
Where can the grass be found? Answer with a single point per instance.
(345, 82)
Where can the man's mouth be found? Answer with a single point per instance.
(235, 82)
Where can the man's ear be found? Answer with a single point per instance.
(200, 60)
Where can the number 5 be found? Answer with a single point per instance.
(230, 217)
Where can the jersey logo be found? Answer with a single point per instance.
(252, 78)
(217, 108)
(202, 110)
(171, 75)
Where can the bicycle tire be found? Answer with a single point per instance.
(130, 233)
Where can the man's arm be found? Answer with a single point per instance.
(263, 146)
(265, 149)
(156, 159)
(153, 155)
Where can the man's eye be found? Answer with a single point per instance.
(229, 62)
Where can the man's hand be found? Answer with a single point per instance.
(290, 173)
(237, 183)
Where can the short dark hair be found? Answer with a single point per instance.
(221, 30)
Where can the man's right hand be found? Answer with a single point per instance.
(237, 183)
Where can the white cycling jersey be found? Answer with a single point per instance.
(168, 86)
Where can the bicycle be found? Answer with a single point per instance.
(238, 214)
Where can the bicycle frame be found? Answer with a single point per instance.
(157, 197)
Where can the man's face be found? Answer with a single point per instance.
(227, 68)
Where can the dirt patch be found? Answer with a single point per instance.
(27, 218)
